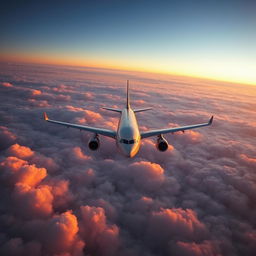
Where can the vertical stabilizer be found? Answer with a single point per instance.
(128, 97)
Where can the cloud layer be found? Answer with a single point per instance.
(58, 198)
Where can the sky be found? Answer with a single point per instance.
(59, 198)
(213, 39)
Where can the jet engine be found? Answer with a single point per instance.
(162, 144)
(94, 143)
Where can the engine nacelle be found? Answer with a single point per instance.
(94, 143)
(162, 144)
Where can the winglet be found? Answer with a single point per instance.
(210, 121)
(45, 117)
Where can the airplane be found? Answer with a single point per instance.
(128, 136)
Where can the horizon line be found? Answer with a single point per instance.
(140, 70)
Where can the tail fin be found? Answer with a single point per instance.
(128, 97)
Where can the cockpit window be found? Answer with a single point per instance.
(127, 141)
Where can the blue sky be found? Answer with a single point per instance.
(166, 36)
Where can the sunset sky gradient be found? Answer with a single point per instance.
(72, 59)
(213, 39)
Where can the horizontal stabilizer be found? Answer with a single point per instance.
(141, 110)
(113, 109)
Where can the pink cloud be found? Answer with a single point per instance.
(63, 97)
(61, 193)
(100, 238)
(62, 235)
(250, 160)
(6, 137)
(152, 174)
(6, 84)
(39, 103)
(190, 137)
(88, 95)
(174, 224)
(207, 248)
(33, 202)
(87, 116)
(77, 155)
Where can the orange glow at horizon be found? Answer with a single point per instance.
(210, 70)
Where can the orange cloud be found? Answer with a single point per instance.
(20, 171)
(31, 175)
(12, 163)
(62, 230)
(6, 84)
(248, 159)
(35, 92)
(20, 151)
(33, 202)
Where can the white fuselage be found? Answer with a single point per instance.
(128, 135)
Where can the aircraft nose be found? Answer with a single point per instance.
(128, 151)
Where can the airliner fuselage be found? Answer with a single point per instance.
(128, 136)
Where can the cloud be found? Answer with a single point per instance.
(247, 159)
(176, 224)
(60, 198)
(101, 239)
(33, 202)
(35, 92)
(39, 103)
(61, 233)
(19, 171)
(147, 175)
(196, 249)
(6, 84)
(16, 246)
(6, 137)
(20, 151)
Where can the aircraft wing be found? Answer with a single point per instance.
(176, 129)
(104, 132)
